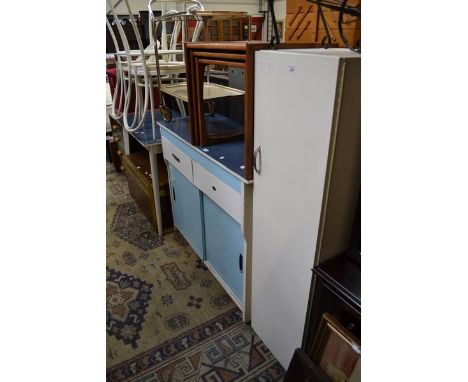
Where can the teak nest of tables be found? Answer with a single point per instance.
(238, 54)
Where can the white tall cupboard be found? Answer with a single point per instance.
(307, 126)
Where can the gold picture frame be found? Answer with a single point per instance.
(335, 350)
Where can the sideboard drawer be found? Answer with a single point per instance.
(177, 158)
(218, 191)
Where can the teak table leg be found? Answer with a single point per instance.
(191, 95)
(201, 123)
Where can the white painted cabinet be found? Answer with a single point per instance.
(302, 102)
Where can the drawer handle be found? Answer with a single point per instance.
(175, 157)
(240, 263)
(214, 188)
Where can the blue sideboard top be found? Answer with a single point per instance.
(229, 155)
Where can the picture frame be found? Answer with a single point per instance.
(335, 350)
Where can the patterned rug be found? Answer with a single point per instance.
(167, 318)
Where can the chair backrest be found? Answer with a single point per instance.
(119, 90)
(132, 72)
(133, 66)
(182, 7)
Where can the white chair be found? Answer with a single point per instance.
(140, 71)
(169, 51)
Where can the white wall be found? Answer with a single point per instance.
(280, 9)
(280, 13)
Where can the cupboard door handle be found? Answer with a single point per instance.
(214, 188)
(240, 263)
(175, 157)
(173, 193)
(257, 155)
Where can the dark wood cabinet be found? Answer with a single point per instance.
(138, 172)
(303, 369)
(336, 286)
(115, 144)
(336, 289)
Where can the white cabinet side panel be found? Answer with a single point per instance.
(294, 103)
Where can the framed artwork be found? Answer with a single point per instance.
(335, 350)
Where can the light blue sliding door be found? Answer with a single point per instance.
(224, 245)
(186, 208)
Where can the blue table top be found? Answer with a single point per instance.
(230, 153)
(145, 134)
